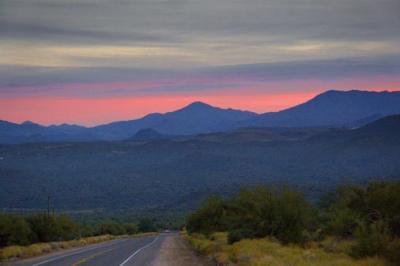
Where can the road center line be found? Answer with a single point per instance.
(137, 251)
(75, 253)
(91, 257)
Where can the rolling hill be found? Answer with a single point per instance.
(171, 174)
(195, 118)
(333, 109)
(12, 133)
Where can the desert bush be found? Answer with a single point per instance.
(392, 252)
(371, 239)
(146, 225)
(236, 235)
(209, 218)
(256, 212)
(131, 228)
(14, 230)
(343, 222)
(111, 228)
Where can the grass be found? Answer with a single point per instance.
(269, 252)
(18, 252)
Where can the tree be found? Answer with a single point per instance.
(14, 230)
(146, 225)
(210, 217)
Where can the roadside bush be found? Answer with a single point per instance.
(294, 217)
(236, 235)
(146, 225)
(111, 228)
(343, 222)
(14, 230)
(350, 205)
(383, 200)
(209, 218)
(66, 228)
(393, 252)
(131, 228)
(256, 212)
(44, 228)
(371, 239)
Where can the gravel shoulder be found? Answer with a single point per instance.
(175, 252)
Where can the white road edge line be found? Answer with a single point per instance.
(71, 254)
(137, 251)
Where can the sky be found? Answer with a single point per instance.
(94, 61)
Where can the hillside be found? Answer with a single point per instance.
(195, 118)
(147, 134)
(176, 174)
(334, 109)
(11, 133)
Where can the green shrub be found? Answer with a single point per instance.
(256, 212)
(236, 235)
(146, 225)
(393, 252)
(14, 230)
(371, 239)
(111, 228)
(209, 218)
(294, 217)
(131, 228)
(343, 222)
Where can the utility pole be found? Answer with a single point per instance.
(47, 238)
(48, 207)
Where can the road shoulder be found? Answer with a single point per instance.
(175, 252)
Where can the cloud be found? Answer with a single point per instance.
(109, 82)
(264, 22)
(47, 45)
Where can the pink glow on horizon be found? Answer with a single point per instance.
(253, 95)
(93, 111)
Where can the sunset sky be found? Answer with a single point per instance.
(95, 61)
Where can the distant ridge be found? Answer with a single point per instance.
(148, 134)
(329, 109)
(334, 109)
(387, 126)
(195, 118)
(173, 174)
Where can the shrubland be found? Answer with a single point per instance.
(356, 222)
(26, 236)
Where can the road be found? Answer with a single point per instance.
(123, 252)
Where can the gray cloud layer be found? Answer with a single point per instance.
(88, 40)
(29, 81)
(287, 19)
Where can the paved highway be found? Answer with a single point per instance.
(124, 252)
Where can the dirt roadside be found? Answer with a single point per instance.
(175, 252)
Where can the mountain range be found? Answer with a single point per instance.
(163, 173)
(329, 109)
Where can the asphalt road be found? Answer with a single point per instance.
(124, 252)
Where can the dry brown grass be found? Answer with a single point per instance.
(269, 252)
(17, 252)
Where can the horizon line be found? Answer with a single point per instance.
(31, 121)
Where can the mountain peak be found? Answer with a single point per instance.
(147, 134)
(197, 105)
(28, 122)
